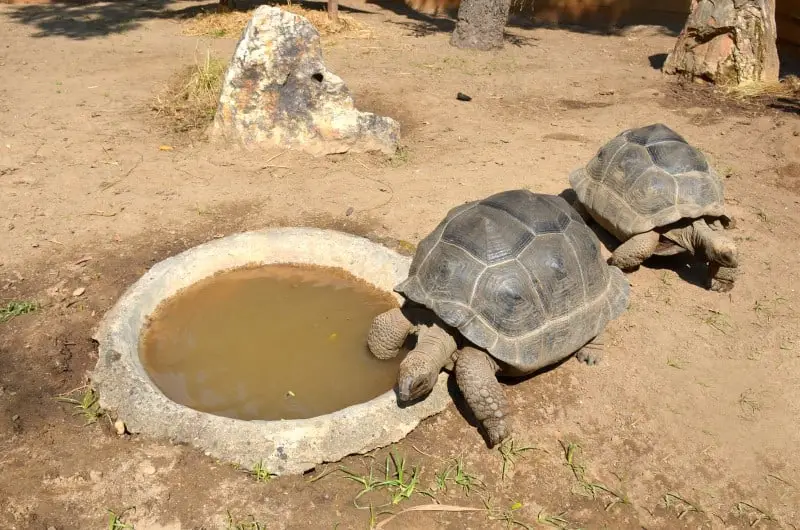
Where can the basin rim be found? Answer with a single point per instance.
(283, 446)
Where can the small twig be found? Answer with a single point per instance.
(98, 213)
(424, 453)
(123, 177)
(429, 508)
(82, 387)
(270, 159)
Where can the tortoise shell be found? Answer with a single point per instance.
(647, 178)
(520, 275)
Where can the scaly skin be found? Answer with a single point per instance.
(634, 251)
(476, 377)
(419, 370)
(387, 333)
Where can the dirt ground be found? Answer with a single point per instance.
(691, 421)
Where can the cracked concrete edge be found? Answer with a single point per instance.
(284, 447)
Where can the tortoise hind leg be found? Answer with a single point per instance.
(592, 351)
(476, 375)
(634, 251)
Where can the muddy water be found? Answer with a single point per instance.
(272, 342)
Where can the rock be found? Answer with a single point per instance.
(147, 468)
(727, 42)
(278, 91)
(119, 425)
(79, 291)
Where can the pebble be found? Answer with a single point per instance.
(147, 468)
(79, 291)
(95, 476)
(11, 226)
(119, 425)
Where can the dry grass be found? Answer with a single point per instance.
(788, 87)
(190, 100)
(230, 24)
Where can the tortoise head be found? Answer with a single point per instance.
(415, 380)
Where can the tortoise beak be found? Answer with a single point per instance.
(410, 388)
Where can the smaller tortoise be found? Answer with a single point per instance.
(517, 281)
(657, 195)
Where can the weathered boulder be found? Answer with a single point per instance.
(727, 42)
(278, 91)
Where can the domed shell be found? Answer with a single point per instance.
(646, 178)
(520, 275)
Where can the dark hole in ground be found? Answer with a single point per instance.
(317, 77)
(657, 60)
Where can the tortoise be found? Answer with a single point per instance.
(504, 286)
(658, 195)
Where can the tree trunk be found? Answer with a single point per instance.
(333, 10)
(727, 42)
(480, 24)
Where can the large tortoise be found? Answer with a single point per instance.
(518, 275)
(658, 195)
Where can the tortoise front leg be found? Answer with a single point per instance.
(476, 375)
(592, 351)
(721, 279)
(717, 248)
(387, 333)
(634, 251)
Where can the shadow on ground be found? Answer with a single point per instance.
(90, 19)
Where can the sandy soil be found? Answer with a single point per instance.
(699, 396)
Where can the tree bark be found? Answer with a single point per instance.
(480, 24)
(727, 42)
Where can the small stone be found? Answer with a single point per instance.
(79, 291)
(15, 417)
(11, 226)
(796, 132)
(119, 425)
(95, 476)
(349, 211)
(147, 468)
(35, 245)
(463, 97)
